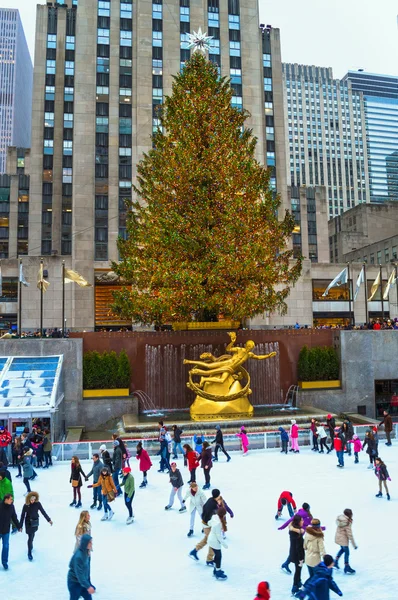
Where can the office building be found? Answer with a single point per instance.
(326, 142)
(16, 76)
(380, 98)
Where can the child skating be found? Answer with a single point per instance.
(145, 463)
(382, 475)
(357, 444)
(192, 460)
(244, 439)
(284, 439)
(129, 491)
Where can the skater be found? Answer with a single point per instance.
(16, 452)
(76, 481)
(27, 468)
(387, 422)
(5, 486)
(197, 500)
(286, 499)
(294, 437)
(338, 445)
(37, 444)
(193, 463)
(322, 436)
(244, 440)
(206, 463)
(177, 433)
(219, 441)
(124, 449)
(79, 582)
(221, 502)
(382, 475)
(296, 554)
(209, 509)
(317, 588)
(304, 513)
(145, 463)
(108, 491)
(284, 439)
(313, 428)
(30, 516)
(117, 460)
(95, 472)
(371, 447)
(348, 431)
(7, 515)
(5, 437)
(6, 471)
(216, 540)
(47, 449)
(331, 424)
(357, 447)
(176, 488)
(314, 547)
(198, 441)
(164, 449)
(129, 491)
(263, 591)
(106, 457)
(343, 537)
(83, 527)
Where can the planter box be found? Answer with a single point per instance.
(319, 385)
(196, 325)
(117, 392)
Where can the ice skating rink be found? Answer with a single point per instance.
(149, 559)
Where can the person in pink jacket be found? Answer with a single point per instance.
(357, 446)
(244, 439)
(294, 437)
(145, 463)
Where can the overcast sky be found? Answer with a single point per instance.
(343, 34)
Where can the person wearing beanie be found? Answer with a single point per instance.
(129, 491)
(357, 447)
(117, 460)
(244, 440)
(294, 445)
(284, 439)
(176, 487)
(331, 424)
(106, 457)
(209, 509)
(371, 447)
(197, 500)
(219, 441)
(318, 586)
(343, 538)
(263, 591)
(314, 546)
(305, 514)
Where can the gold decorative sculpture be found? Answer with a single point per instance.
(219, 393)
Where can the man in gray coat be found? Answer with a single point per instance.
(95, 472)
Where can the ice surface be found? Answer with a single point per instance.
(149, 559)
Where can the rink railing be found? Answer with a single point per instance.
(259, 440)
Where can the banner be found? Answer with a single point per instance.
(360, 280)
(42, 284)
(341, 279)
(390, 282)
(21, 276)
(71, 276)
(375, 287)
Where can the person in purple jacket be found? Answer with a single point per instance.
(305, 514)
(206, 463)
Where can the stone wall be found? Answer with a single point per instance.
(94, 412)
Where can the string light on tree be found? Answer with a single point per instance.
(199, 41)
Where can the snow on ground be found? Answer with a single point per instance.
(149, 559)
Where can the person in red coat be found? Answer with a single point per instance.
(145, 463)
(5, 437)
(339, 447)
(286, 499)
(263, 591)
(193, 463)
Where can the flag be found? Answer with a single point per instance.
(341, 279)
(42, 284)
(360, 280)
(21, 276)
(74, 276)
(375, 287)
(390, 282)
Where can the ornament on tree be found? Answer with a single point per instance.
(199, 42)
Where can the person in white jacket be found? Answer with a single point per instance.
(322, 437)
(215, 540)
(197, 499)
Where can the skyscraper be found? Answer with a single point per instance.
(380, 93)
(326, 143)
(16, 76)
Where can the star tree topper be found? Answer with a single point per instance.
(199, 41)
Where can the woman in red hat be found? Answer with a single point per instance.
(129, 491)
(263, 591)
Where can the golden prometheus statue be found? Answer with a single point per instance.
(220, 393)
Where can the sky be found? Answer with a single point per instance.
(342, 34)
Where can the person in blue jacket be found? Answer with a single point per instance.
(318, 586)
(79, 582)
(198, 441)
(284, 439)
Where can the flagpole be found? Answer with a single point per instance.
(366, 294)
(352, 318)
(20, 300)
(381, 292)
(396, 282)
(41, 299)
(63, 298)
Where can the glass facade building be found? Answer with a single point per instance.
(16, 81)
(380, 94)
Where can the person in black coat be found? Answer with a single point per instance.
(219, 441)
(331, 424)
(296, 554)
(30, 516)
(7, 515)
(176, 487)
(371, 447)
(177, 432)
(206, 463)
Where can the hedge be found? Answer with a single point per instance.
(106, 371)
(320, 363)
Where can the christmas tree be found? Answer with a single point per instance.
(204, 238)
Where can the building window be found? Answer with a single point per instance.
(394, 252)
(266, 60)
(104, 9)
(387, 255)
(336, 294)
(379, 257)
(50, 67)
(69, 67)
(51, 41)
(125, 10)
(157, 38)
(157, 11)
(103, 36)
(67, 147)
(233, 22)
(70, 42)
(234, 48)
(125, 38)
(48, 146)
